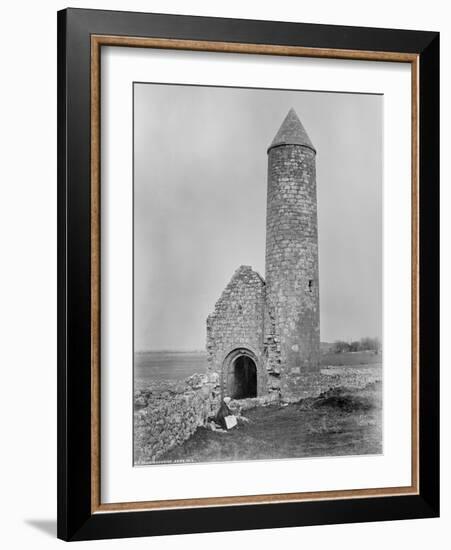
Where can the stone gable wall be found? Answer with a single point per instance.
(237, 322)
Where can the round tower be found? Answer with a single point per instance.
(292, 290)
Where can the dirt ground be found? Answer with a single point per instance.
(338, 422)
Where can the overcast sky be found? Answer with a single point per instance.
(200, 204)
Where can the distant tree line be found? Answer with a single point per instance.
(364, 344)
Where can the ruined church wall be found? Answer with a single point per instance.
(237, 322)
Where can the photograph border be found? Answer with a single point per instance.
(81, 35)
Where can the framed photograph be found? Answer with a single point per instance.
(248, 274)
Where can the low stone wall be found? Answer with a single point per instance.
(312, 385)
(167, 413)
(333, 377)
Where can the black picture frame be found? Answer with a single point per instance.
(76, 520)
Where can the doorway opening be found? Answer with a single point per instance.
(243, 378)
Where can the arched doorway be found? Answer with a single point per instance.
(242, 379)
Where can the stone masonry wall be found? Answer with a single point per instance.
(333, 377)
(237, 322)
(314, 384)
(167, 413)
(292, 283)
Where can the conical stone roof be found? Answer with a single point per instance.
(292, 133)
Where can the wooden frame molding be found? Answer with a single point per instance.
(97, 41)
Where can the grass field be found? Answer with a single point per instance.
(176, 365)
(340, 422)
(154, 366)
(350, 359)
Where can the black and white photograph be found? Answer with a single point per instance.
(225, 275)
(257, 274)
